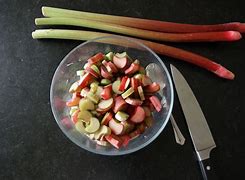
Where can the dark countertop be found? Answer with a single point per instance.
(33, 147)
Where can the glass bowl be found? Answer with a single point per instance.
(65, 75)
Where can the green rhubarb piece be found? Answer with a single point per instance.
(105, 82)
(73, 87)
(102, 131)
(73, 109)
(121, 116)
(84, 116)
(93, 97)
(79, 126)
(93, 125)
(95, 68)
(99, 91)
(141, 93)
(86, 104)
(109, 56)
(121, 55)
(115, 87)
(139, 77)
(80, 73)
(93, 87)
(128, 93)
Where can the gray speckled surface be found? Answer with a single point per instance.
(33, 147)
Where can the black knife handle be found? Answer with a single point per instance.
(207, 170)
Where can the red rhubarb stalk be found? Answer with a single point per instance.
(160, 36)
(148, 24)
(158, 48)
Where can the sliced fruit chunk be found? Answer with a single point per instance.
(121, 116)
(106, 104)
(86, 104)
(102, 143)
(84, 92)
(133, 68)
(115, 87)
(120, 62)
(141, 93)
(116, 127)
(121, 55)
(85, 80)
(105, 81)
(107, 117)
(106, 93)
(112, 67)
(84, 115)
(74, 101)
(120, 104)
(156, 103)
(102, 131)
(133, 102)
(96, 58)
(93, 97)
(99, 91)
(79, 126)
(138, 115)
(134, 84)
(124, 83)
(139, 77)
(74, 88)
(80, 73)
(93, 87)
(114, 140)
(95, 68)
(92, 72)
(152, 88)
(128, 126)
(73, 109)
(93, 125)
(127, 93)
(104, 73)
(109, 56)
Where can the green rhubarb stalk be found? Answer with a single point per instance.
(148, 24)
(171, 37)
(158, 48)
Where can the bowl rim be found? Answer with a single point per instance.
(141, 146)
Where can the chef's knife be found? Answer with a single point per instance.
(200, 133)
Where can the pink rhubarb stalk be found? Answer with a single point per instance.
(148, 24)
(166, 50)
(160, 36)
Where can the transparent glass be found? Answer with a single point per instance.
(65, 75)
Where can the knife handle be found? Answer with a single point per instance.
(207, 170)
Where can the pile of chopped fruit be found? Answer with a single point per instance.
(113, 101)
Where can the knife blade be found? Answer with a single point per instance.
(197, 125)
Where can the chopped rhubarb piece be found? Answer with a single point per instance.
(156, 103)
(85, 80)
(133, 68)
(138, 115)
(108, 116)
(133, 102)
(152, 88)
(96, 58)
(134, 84)
(114, 140)
(105, 73)
(120, 104)
(106, 93)
(120, 62)
(116, 127)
